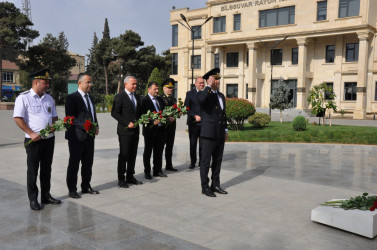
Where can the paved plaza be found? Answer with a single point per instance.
(272, 189)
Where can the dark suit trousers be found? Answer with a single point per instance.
(212, 148)
(169, 143)
(39, 153)
(84, 152)
(194, 135)
(155, 143)
(127, 155)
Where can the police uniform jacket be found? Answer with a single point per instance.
(75, 106)
(214, 120)
(36, 111)
(168, 100)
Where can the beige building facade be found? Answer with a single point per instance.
(257, 42)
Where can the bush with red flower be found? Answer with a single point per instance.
(237, 111)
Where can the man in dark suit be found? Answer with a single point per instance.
(153, 133)
(126, 110)
(169, 136)
(81, 145)
(194, 120)
(213, 132)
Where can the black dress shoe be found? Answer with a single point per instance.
(219, 190)
(74, 195)
(192, 166)
(171, 169)
(48, 199)
(34, 205)
(133, 181)
(89, 191)
(160, 174)
(148, 176)
(208, 192)
(123, 184)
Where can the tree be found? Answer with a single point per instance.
(52, 53)
(155, 77)
(320, 98)
(14, 31)
(280, 97)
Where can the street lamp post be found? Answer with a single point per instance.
(190, 28)
(272, 59)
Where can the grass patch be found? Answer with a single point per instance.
(283, 132)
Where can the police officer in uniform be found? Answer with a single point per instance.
(33, 110)
(213, 132)
(169, 136)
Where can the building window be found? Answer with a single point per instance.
(247, 91)
(330, 53)
(349, 8)
(217, 61)
(321, 10)
(350, 91)
(237, 22)
(219, 24)
(8, 77)
(294, 55)
(174, 63)
(197, 32)
(247, 58)
(174, 35)
(352, 52)
(232, 90)
(330, 92)
(276, 17)
(276, 57)
(232, 59)
(196, 61)
(175, 89)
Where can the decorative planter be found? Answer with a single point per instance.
(355, 221)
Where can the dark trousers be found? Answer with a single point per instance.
(169, 143)
(212, 149)
(154, 143)
(39, 153)
(84, 152)
(127, 155)
(194, 135)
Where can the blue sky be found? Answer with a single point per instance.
(79, 19)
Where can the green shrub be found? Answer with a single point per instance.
(237, 111)
(109, 99)
(299, 123)
(259, 120)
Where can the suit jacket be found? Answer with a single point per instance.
(214, 120)
(75, 106)
(191, 101)
(147, 104)
(124, 112)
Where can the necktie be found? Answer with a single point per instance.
(133, 100)
(89, 108)
(158, 106)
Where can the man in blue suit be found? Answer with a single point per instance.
(213, 132)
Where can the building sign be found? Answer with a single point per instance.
(249, 4)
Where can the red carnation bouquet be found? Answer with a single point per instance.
(90, 127)
(59, 125)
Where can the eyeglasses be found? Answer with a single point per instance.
(90, 83)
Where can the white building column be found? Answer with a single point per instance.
(362, 77)
(302, 68)
(252, 72)
(222, 67)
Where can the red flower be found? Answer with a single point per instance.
(160, 116)
(187, 108)
(160, 112)
(88, 125)
(372, 208)
(154, 112)
(179, 110)
(175, 106)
